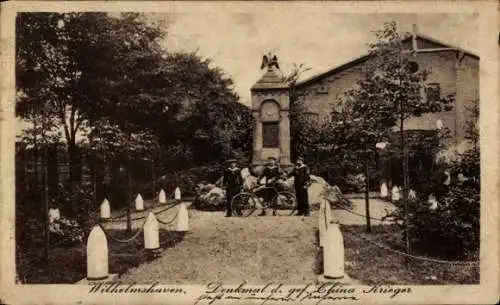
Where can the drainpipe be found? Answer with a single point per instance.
(414, 38)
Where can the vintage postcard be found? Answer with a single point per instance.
(249, 152)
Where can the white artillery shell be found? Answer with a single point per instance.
(177, 193)
(151, 233)
(97, 254)
(162, 198)
(139, 203)
(105, 209)
(182, 224)
(333, 252)
(384, 191)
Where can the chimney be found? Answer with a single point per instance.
(414, 37)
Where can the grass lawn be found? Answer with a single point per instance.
(371, 264)
(254, 249)
(67, 265)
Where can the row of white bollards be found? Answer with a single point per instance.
(332, 244)
(395, 193)
(105, 209)
(97, 243)
(412, 195)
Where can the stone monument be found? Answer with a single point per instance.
(270, 109)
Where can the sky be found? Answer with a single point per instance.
(319, 38)
(236, 38)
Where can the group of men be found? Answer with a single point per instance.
(233, 181)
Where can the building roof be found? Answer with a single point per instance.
(443, 47)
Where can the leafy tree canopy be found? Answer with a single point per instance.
(87, 74)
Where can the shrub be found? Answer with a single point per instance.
(450, 229)
(187, 180)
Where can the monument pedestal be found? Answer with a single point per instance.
(270, 108)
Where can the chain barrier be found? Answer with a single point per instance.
(167, 208)
(421, 258)
(387, 248)
(29, 253)
(170, 206)
(132, 202)
(123, 240)
(360, 215)
(168, 222)
(142, 226)
(21, 254)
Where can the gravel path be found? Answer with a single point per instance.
(232, 250)
(253, 249)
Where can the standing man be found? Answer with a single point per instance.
(302, 180)
(272, 174)
(232, 181)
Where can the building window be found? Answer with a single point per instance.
(271, 134)
(311, 116)
(413, 66)
(433, 93)
(322, 88)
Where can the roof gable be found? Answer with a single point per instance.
(437, 46)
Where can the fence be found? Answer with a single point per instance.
(97, 247)
(331, 244)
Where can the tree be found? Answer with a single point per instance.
(450, 228)
(89, 73)
(75, 68)
(390, 91)
(302, 130)
(208, 122)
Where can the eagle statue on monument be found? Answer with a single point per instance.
(270, 60)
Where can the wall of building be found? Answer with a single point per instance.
(321, 95)
(467, 93)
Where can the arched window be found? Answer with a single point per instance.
(270, 111)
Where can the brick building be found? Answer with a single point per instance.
(453, 71)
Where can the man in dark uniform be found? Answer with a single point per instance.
(272, 173)
(302, 180)
(232, 181)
